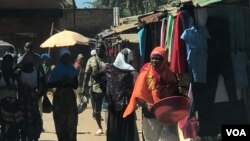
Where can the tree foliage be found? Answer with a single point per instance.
(67, 3)
(127, 7)
(130, 7)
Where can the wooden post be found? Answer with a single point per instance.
(51, 33)
(74, 13)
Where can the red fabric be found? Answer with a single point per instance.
(189, 127)
(177, 64)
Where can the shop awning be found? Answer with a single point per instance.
(155, 17)
(125, 27)
(133, 37)
(203, 3)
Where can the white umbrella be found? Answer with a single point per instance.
(65, 38)
(4, 46)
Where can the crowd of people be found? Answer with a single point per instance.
(24, 82)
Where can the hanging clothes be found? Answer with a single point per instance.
(240, 61)
(201, 16)
(142, 40)
(196, 43)
(163, 32)
(169, 36)
(212, 115)
(221, 91)
(177, 64)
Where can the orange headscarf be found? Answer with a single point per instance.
(152, 85)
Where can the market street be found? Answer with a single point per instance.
(86, 127)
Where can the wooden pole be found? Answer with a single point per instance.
(74, 13)
(51, 33)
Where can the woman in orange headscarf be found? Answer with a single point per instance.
(155, 81)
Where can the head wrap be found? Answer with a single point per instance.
(61, 70)
(63, 51)
(121, 62)
(158, 50)
(162, 52)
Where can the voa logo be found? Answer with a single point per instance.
(236, 132)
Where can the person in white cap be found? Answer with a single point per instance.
(64, 78)
(93, 52)
(95, 64)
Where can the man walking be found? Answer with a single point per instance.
(94, 65)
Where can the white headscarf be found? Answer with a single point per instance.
(120, 61)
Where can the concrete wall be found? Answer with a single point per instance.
(89, 22)
(27, 4)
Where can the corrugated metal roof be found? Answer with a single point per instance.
(133, 37)
(203, 3)
(155, 17)
(126, 24)
(130, 22)
(125, 27)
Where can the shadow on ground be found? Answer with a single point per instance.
(83, 132)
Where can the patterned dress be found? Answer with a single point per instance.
(119, 89)
(28, 95)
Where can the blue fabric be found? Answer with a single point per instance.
(240, 61)
(142, 37)
(196, 47)
(61, 70)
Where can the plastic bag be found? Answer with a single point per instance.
(189, 127)
(82, 104)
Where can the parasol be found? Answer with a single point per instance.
(65, 38)
(4, 46)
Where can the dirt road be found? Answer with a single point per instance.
(86, 127)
